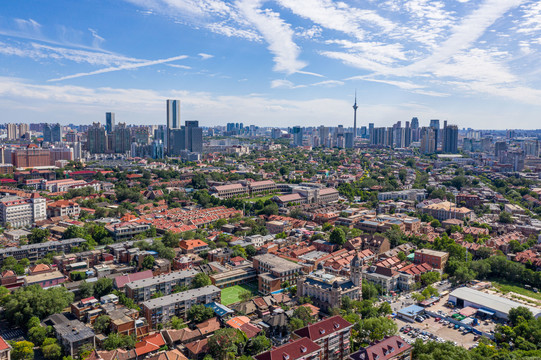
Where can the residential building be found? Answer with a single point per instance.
(436, 259)
(5, 350)
(162, 309)
(194, 246)
(331, 334)
(229, 191)
(73, 334)
(300, 349)
(63, 208)
(96, 139)
(34, 252)
(143, 290)
(110, 122)
(19, 212)
(30, 156)
(126, 230)
(446, 210)
(389, 348)
(274, 271)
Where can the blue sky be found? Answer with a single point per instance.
(272, 63)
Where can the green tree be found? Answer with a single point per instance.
(86, 289)
(304, 314)
(22, 350)
(148, 262)
(102, 287)
(171, 239)
(102, 323)
(376, 328)
(435, 223)
(32, 300)
(50, 349)
(506, 218)
(37, 334)
(259, 344)
(519, 314)
(200, 280)
(338, 236)
(34, 321)
(245, 295)
(38, 235)
(251, 250)
(430, 278)
(199, 313)
(225, 342)
(177, 323)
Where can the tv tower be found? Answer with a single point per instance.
(355, 107)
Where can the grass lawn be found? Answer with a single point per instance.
(230, 295)
(262, 198)
(506, 287)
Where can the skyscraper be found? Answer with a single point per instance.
(173, 122)
(96, 139)
(415, 132)
(109, 122)
(450, 138)
(428, 140)
(12, 131)
(188, 138)
(297, 135)
(52, 133)
(355, 107)
(435, 125)
(122, 136)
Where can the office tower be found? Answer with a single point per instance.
(173, 122)
(96, 139)
(407, 134)
(355, 107)
(276, 133)
(159, 133)
(415, 131)
(450, 139)
(435, 124)
(428, 140)
(349, 140)
(56, 133)
(122, 139)
(47, 133)
(72, 136)
(157, 149)
(378, 136)
(370, 129)
(324, 133)
(23, 129)
(141, 135)
(188, 138)
(297, 135)
(110, 122)
(500, 147)
(531, 147)
(364, 132)
(12, 131)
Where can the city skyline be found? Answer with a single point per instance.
(275, 63)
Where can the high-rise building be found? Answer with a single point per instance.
(96, 139)
(415, 131)
(122, 138)
(324, 133)
(110, 122)
(297, 132)
(355, 107)
(349, 137)
(435, 125)
(407, 134)
(450, 139)
(141, 135)
(173, 121)
(157, 149)
(378, 136)
(500, 147)
(276, 133)
(188, 138)
(370, 129)
(52, 133)
(12, 131)
(428, 140)
(23, 129)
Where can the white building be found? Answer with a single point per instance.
(20, 212)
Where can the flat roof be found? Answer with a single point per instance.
(177, 275)
(181, 296)
(490, 301)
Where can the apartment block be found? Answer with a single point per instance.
(143, 290)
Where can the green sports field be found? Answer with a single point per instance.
(230, 295)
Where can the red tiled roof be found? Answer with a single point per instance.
(120, 281)
(149, 344)
(290, 351)
(323, 328)
(3, 344)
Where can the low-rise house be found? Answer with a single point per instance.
(5, 350)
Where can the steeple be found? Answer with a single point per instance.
(355, 107)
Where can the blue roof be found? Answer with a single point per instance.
(219, 309)
(411, 310)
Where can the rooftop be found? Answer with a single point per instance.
(181, 296)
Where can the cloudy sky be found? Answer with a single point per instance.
(272, 63)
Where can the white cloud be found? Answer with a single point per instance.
(28, 25)
(205, 56)
(310, 33)
(277, 33)
(338, 16)
(230, 31)
(122, 67)
(97, 39)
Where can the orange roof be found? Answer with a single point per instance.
(149, 344)
(192, 244)
(3, 344)
(238, 321)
